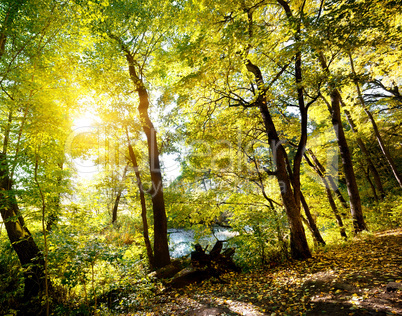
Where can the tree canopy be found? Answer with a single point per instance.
(282, 118)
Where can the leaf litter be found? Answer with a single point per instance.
(349, 279)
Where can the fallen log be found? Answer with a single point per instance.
(168, 271)
(204, 266)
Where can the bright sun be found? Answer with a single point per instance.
(86, 116)
(85, 120)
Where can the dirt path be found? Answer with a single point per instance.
(348, 280)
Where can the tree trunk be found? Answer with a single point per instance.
(161, 247)
(118, 196)
(21, 239)
(143, 205)
(55, 211)
(331, 181)
(351, 184)
(298, 241)
(377, 134)
(367, 174)
(353, 192)
(335, 210)
(384, 149)
(116, 206)
(311, 222)
(291, 197)
(295, 173)
(366, 155)
(329, 195)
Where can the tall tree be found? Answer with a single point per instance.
(144, 219)
(237, 30)
(13, 47)
(351, 183)
(353, 191)
(298, 242)
(36, 125)
(136, 30)
(161, 249)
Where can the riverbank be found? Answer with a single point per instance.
(347, 279)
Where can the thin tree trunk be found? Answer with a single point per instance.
(367, 174)
(271, 206)
(329, 196)
(331, 180)
(351, 184)
(118, 196)
(335, 210)
(46, 252)
(298, 241)
(116, 206)
(366, 155)
(377, 134)
(161, 247)
(147, 242)
(55, 212)
(311, 222)
(306, 222)
(384, 149)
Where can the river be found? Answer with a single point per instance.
(181, 241)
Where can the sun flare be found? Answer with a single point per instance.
(86, 119)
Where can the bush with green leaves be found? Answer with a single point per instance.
(11, 278)
(386, 214)
(260, 236)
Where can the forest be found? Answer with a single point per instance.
(278, 122)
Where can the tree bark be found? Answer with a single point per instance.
(21, 239)
(329, 195)
(161, 248)
(367, 174)
(145, 233)
(311, 222)
(351, 184)
(56, 201)
(331, 181)
(384, 149)
(118, 196)
(298, 242)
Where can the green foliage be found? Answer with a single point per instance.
(60, 59)
(97, 264)
(11, 279)
(387, 214)
(260, 240)
(357, 273)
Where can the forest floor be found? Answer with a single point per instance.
(350, 279)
